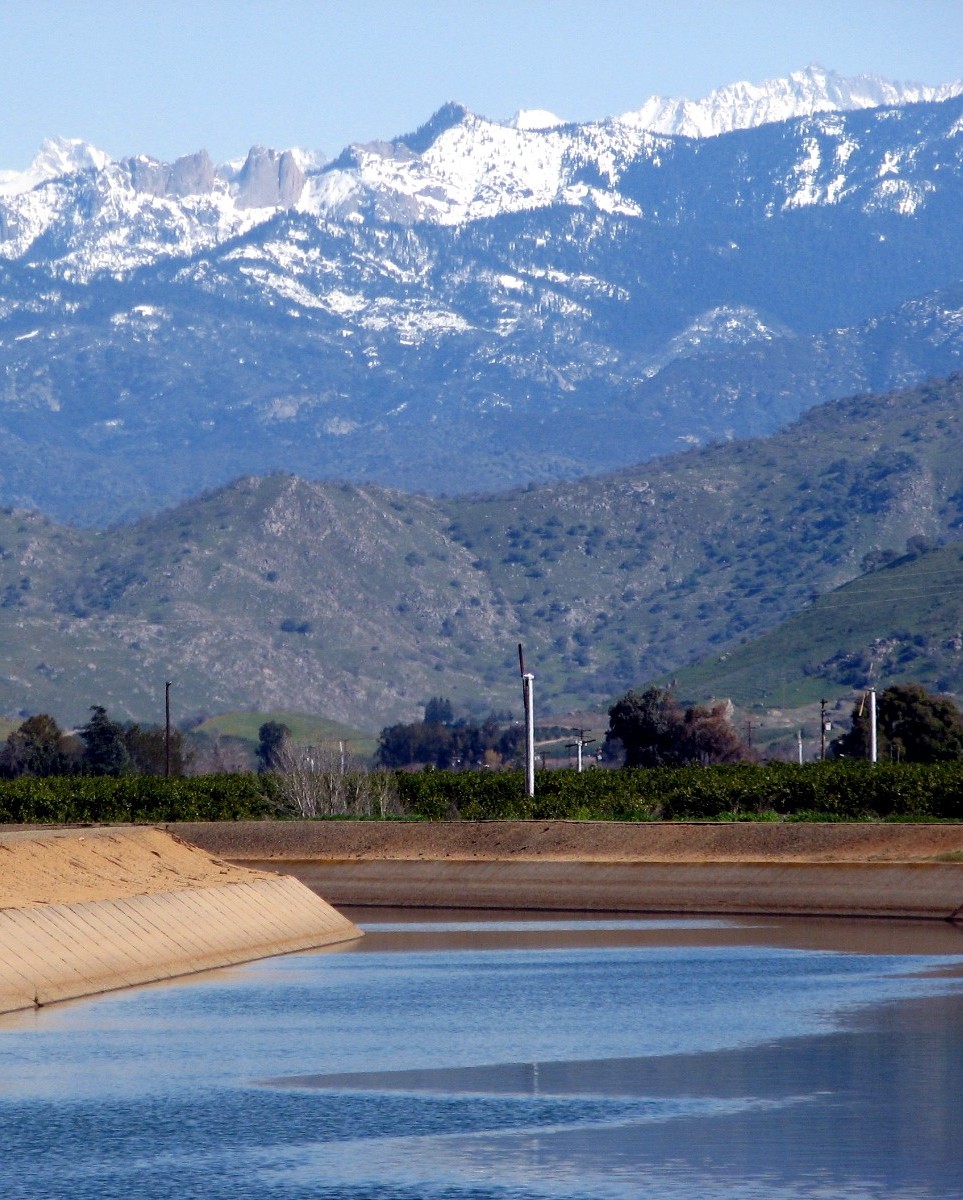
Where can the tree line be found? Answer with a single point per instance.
(102, 746)
(442, 741)
(912, 726)
(654, 729)
(651, 728)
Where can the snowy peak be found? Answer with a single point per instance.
(62, 156)
(479, 284)
(535, 118)
(460, 167)
(801, 94)
(56, 157)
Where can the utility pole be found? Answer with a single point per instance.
(822, 730)
(528, 697)
(579, 743)
(167, 729)
(799, 736)
(872, 725)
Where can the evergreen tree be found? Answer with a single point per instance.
(147, 748)
(649, 726)
(438, 711)
(38, 747)
(271, 739)
(105, 745)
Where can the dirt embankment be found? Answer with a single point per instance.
(577, 841)
(72, 866)
(801, 869)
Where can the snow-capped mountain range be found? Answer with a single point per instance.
(682, 272)
(92, 214)
(801, 94)
(458, 167)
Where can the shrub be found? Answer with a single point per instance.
(821, 791)
(830, 791)
(78, 799)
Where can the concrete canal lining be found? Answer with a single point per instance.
(857, 869)
(88, 911)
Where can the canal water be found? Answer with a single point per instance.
(466, 1056)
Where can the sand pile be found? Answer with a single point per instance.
(70, 866)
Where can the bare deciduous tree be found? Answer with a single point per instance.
(219, 755)
(324, 781)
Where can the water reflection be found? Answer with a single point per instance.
(471, 1059)
(447, 929)
(871, 1111)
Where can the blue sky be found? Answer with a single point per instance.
(166, 78)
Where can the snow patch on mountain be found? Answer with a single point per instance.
(716, 329)
(475, 168)
(899, 196)
(727, 325)
(535, 118)
(412, 324)
(803, 93)
(97, 221)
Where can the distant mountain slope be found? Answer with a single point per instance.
(469, 307)
(901, 622)
(634, 575)
(358, 603)
(803, 93)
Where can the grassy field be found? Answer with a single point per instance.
(307, 729)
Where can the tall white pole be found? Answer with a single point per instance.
(528, 697)
(528, 689)
(799, 736)
(872, 725)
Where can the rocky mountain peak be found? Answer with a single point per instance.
(191, 175)
(269, 179)
(447, 117)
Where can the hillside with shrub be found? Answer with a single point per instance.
(901, 622)
(359, 603)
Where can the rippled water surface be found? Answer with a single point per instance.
(456, 1057)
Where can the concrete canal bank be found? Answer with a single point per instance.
(857, 869)
(87, 911)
